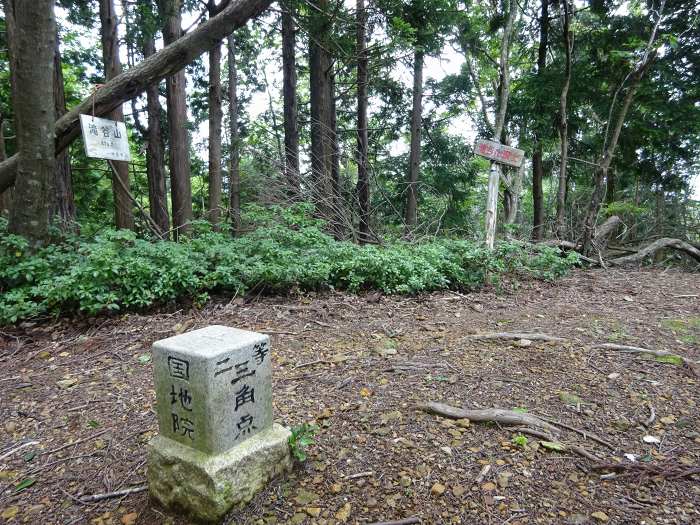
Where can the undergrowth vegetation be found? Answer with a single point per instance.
(287, 250)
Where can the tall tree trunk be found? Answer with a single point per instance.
(32, 32)
(63, 201)
(123, 212)
(415, 151)
(179, 150)
(155, 161)
(321, 118)
(338, 205)
(563, 124)
(234, 149)
(5, 196)
(537, 167)
(215, 118)
(132, 83)
(362, 140)
(289, 93)
(611, 139)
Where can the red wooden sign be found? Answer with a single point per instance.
(499, 152)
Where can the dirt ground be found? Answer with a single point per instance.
(80, 392)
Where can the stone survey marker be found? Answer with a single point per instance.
(217, 444)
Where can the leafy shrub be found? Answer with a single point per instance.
(301, 438)
(287, 250)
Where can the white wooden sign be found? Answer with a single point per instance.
(105, 139)
(499, 152)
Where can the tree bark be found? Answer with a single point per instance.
(289, 94)
(5, 196)
(338, 204)
(537, 166)
(321, 119)
(179, 147)
(155, 161)
(33, 43)
(133, 82)
(362, 139)
(415, 150)
(563, 124)
(123, 212)
(63, 201)
(234, 149)
(215, 118)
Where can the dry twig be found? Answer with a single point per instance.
(115, 494)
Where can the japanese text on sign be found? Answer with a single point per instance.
(105, 139)
(499, 152)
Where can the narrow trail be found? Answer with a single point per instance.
(357, 367)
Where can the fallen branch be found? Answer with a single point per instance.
(152, 70)
(517, 335)
(654, 247)
(497, 415)
(116, 494)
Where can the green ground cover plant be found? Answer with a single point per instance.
(287, 250)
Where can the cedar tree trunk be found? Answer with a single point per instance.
(33, 36)
(123, 212)
(289, 93)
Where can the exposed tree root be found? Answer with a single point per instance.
(506, 417)
(544, 429)
(693, 365)
(517, 335)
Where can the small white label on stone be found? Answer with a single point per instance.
(105, 139)
(213, 387)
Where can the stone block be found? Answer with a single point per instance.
(205, 487)
(213, 387)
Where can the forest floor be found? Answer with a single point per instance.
(356, 366)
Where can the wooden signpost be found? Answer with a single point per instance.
(499, 154)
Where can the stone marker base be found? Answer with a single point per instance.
(205, 487)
